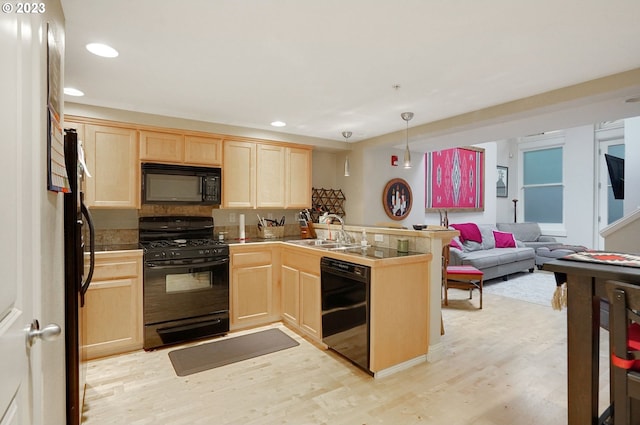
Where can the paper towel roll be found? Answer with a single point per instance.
(241, 225)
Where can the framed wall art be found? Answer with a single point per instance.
(454, 179)
(502, 184)
(397, 199)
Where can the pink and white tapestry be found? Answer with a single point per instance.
(455, 179)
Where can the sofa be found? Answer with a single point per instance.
(528, 233)
(547, 247)
(496, 253)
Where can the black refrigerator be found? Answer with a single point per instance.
(78, 227)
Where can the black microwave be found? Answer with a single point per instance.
(179, 184)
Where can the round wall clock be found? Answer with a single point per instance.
(397, 199)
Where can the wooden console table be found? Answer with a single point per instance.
(585, 287)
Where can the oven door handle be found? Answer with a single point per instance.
(189, 265)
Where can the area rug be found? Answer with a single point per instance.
(187, 361)
(537, 287)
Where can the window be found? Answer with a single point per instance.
(543, 188)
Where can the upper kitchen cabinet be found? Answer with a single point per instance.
(205, 151)
(298, 178)
(161, 147)
(239, 174)
(270, 172)
(115, 177)
(178, 148)
(265, 175)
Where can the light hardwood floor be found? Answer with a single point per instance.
(504, 365)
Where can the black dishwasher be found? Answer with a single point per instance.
(345, 291)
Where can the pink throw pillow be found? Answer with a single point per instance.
(468, 232)
(504, 239)
(455, 244)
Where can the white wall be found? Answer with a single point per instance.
(324, 169)
(372, 169)
(378, 171)
(507, 156)
(632, 165)
(580, 180)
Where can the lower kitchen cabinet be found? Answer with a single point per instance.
(254, 300)
(301, 302)
(112, 312)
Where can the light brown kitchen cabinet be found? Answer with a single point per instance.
(204, 151)
(178, 148)
(270, 174)
(161, 147)
(263, 175)
(239, 174)
(254, 299)
(112, 311)
(115, 177)
(301, 300)
(298, 178)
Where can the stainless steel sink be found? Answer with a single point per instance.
(345, 247)
(325, 244)
(314, 242)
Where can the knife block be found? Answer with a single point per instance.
(308, 232)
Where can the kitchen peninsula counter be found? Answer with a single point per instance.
(399, 295)
(420, 242)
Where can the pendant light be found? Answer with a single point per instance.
(346, 135)
(407, 155)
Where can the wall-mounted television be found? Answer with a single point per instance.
(615, 166)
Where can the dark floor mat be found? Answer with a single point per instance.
(219, 353)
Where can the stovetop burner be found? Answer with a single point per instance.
(179, 237)
(180, 243)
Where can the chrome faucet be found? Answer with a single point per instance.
(343, 236)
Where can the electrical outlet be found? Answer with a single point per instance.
(378, 238)
(232, 217)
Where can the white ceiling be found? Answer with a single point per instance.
(329, 66)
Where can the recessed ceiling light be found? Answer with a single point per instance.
(73, 92)
(278, 124)
(102, 50)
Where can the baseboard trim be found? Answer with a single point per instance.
(436, 352)
(400, 366)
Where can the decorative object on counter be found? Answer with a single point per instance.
(455, 179)
(407, 154)
(403, 245)
(241, 229)
(397, 199)
(347, 171)
(444, 218)
(502, 185)
(327, 200)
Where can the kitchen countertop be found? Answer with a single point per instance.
(368, 256)
(117, 247)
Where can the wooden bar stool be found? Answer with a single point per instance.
(459, 277)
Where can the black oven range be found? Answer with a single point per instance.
(186, 280)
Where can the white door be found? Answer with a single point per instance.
(30, 221)
(610, 209)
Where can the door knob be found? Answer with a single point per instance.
(48, 333)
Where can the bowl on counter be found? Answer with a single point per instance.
(419, 226)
